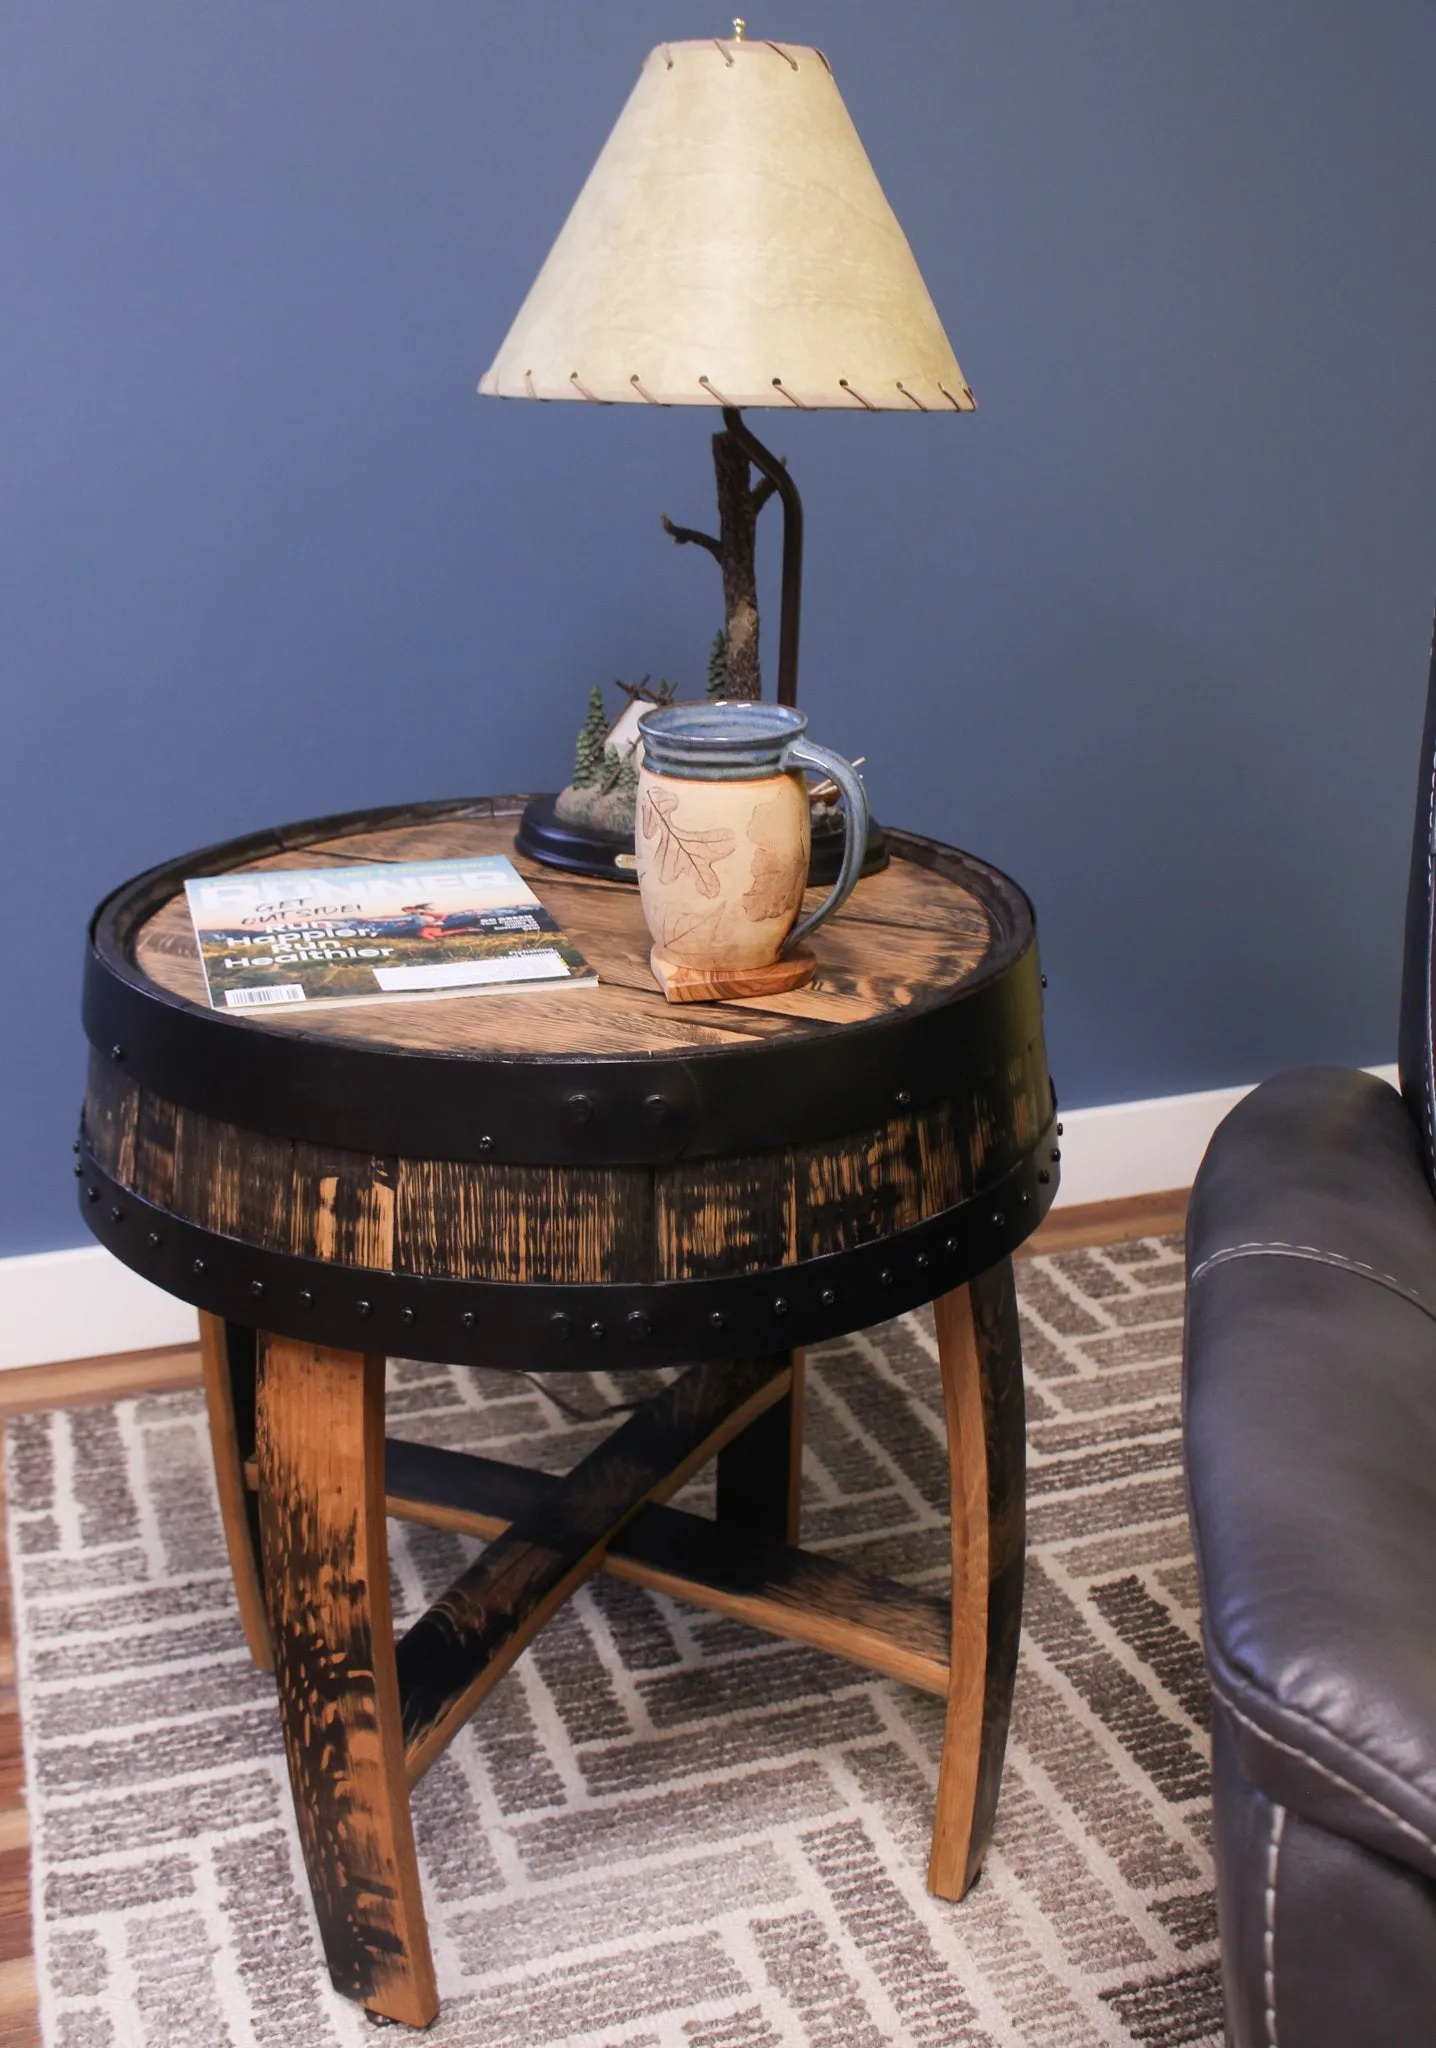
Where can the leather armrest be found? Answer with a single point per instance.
(1310, 1403)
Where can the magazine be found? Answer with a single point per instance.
(388, 931)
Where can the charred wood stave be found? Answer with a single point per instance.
(320, 1459)
(999, 1343)
(750, 1213)
(980, 1359)
(229, 1357)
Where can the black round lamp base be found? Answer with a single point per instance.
(584, 850)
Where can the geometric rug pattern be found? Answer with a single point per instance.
(661, 1830)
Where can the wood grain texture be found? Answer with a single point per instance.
(320, 1458)
(528, 1223)
(111, 1108)
(683, 984)
(458, 1649)
(701, 1218)
(1093, 1223)
(851, 1191)
(229, 1360)
(905, 933)
(80, 1382)
(713, 1217)
(980, 1357)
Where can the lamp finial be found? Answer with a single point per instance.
(740, 28)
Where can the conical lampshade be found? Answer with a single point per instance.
(732, 246)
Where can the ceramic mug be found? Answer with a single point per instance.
(723, 832)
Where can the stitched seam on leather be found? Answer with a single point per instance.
(1317, 1257)
(1273, 1862)
(1303, 1756)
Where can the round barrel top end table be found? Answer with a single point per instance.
(560, 1180)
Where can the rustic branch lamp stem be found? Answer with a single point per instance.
(790, 617)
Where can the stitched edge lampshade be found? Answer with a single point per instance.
(732, 246)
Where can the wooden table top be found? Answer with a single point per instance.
(908, 937)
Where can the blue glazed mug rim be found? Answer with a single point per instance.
(720, 741)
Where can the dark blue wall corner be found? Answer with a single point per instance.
(1149, 630)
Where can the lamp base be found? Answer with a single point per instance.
(584, 850)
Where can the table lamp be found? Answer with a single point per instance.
(732, 248)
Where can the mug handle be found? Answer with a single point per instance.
(803, 754)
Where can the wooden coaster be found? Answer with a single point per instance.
(727, 984)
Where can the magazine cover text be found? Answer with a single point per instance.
(375, 933)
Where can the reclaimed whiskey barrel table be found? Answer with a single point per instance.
(549, 1181)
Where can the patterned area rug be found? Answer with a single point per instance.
(662, 1828)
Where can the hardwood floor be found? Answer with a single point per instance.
(81, 1382)
(19, 2027)
(1066, 1230)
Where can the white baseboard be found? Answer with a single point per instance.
(83, 1304)
(56, 1306)
(1144, 1148)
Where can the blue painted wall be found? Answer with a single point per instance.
(1149, 630)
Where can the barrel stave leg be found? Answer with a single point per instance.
(228, 1355)
(321, 1504)
(980, 1356)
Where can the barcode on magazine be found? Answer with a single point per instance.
(252, 998)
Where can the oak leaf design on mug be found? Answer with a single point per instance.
(681, 924)
(780, 866)
(681, 854)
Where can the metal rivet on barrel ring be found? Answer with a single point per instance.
(717, 1319)
(74, 1144)
(306, 1297)
(468, 1319)
(595, 1330)
(365, 1308)
(154, 1238)
(922, 1262)
(780, 1305)
(486, 1143)
(637, 1325)
(885, 1277)
(79, 1170)
(657, 1108)
(256, 1288)
(406, 1315)
(1055, 1155)
(950, 1244)
(827, 1297)
(117, 1052)
(1044, 1177)
(1059, 1130)
(580, 1108)
(198, 1266)
(997, 1219)
(92, 1194)
(117, 1214)
(560, 1322)
(903, 1098)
